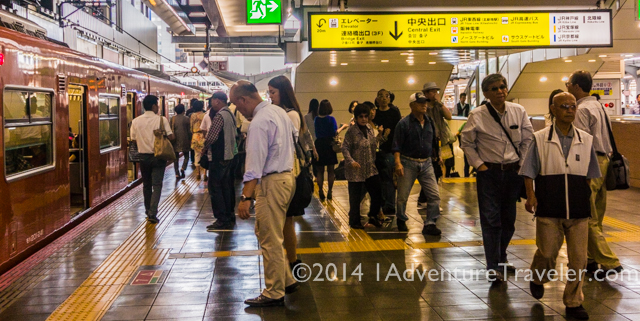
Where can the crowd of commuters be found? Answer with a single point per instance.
(385, 153)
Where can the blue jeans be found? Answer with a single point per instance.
(423, 171)
(385, 162)
(498, 192)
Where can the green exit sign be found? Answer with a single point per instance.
(264, 11)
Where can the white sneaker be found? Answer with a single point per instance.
(422, 205)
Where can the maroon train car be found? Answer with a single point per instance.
(65, 119)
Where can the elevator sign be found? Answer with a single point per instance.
(429, 30)
(264, 12)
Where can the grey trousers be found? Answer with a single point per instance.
(152, 170)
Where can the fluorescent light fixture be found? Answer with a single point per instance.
(353, 50)
(333, 82)
(372, 51)
(432, 62)
(404, 54)
(543, 79)
(568, 60)
(592, 60)
(384, 60)
(343, 64)
(628, 77)
(433, 53)
(602, 56)
(628, 55)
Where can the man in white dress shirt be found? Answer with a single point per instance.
(268, 176)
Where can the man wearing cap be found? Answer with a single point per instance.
(439, 115)
(494, 139)
(414, 147)
(220, 147)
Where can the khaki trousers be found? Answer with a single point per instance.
(599, 249)
(273, 195)
(550, 234)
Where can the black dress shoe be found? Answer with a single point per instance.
(601, 274)
(375, 222)
(321, 195)
(431, 229)
(329, 195)
(153, 219)
(357, 226)
(217, 225)
(263, 301)
(494, 276)
(592, 267)
(577, 313)
(508, 267)
(292, 288)
(537, 290)
(402, 226)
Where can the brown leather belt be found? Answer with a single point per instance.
(504, 167)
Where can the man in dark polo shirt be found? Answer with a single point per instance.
(415, 145)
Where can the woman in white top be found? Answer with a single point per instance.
(281, 94)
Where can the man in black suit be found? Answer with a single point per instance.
(462, 106)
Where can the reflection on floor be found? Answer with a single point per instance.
(117, 267)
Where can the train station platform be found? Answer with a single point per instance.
(116, 266)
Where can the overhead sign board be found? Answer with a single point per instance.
(451, 30)
(264, 11)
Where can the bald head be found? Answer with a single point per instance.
(246, 97)
(563, 98)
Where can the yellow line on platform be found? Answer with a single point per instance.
(95, 295)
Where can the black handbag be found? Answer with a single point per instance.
(494, 114)
(618, 170)
(134, 155)
(304, 184)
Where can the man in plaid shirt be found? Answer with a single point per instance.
(220, 148)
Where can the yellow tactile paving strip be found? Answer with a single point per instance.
(93, 298)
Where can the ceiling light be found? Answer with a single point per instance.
(372, 51)
(432, 62)
(543, 79)
(602, 56)
(592, 60)
(343, 64)
(628, 55)
(411, 81)
(628, 77)
(568, 60)
(433, 53)
(353, 51)
(410, 50)
(404, 54)
(384, 60)
(565, 78)
(333, 82)
(333, 51)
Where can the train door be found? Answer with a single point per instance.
(77, 149)
(132, 171)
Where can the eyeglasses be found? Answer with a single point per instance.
(568, 106)
(502, 87)
(567, 84)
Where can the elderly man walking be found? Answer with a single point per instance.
(269, 177)
(562, 161)
(494, 139)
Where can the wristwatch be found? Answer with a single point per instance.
(244, 198)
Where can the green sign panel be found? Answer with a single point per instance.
(264, 12)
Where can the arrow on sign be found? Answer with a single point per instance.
(320, 23)
(272, 6)
(396, 36)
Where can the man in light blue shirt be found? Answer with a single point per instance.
(268, 167)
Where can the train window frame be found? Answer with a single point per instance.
(110, 117)
(15, 123)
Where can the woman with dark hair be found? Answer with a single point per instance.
(359, 150)
(352, 105)
(548, 118)
(311, 116)
(181, 127)
(197, 140)
(281, 94)
(326, 131)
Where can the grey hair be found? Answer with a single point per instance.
(490, 79)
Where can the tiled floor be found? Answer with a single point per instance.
(208, 275)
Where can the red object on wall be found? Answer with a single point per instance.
(1, 59)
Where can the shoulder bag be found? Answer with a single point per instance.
(494, 114)
(134, 155)
(162, 147)
(304, 183)
(618, 170)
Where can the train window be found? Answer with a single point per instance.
(109, 121)
(172, 106)
(28, 132)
